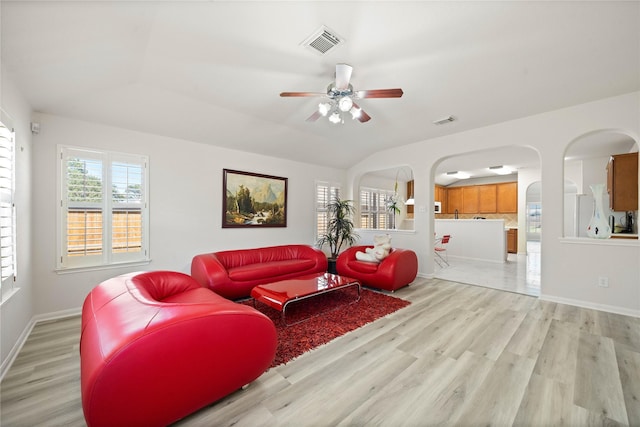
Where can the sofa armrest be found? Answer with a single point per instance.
(401, 265)
(398, 269)
(209, 271)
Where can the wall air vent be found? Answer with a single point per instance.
(447, 119)
(323, 40)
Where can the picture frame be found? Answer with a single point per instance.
(253, 200)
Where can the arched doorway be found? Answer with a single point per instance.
(509, 272)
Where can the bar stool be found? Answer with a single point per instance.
(440, 250)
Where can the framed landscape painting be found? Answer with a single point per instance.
(253, 200)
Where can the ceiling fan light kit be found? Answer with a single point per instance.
(341, 98)
(500, 170)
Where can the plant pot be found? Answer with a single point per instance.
(331, 267)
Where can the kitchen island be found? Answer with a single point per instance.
(478, 239)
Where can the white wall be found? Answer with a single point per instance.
(17, 311)
(185, 202)
(549, 134)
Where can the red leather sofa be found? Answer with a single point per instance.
(157, 346)
(398, 269)
(234, 273)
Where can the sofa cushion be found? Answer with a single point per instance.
(364, 267)
(269, 269)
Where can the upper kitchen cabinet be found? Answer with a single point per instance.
(440, 195)
(622, 182)
(454, 200)
(470, 199)
(410, 195)
(488, 199)
(507, 197)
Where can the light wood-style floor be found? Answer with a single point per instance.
(458, 355)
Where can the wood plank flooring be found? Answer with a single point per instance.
(458, 355)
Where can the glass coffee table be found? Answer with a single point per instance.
(278, 295)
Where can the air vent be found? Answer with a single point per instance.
(323, 40)
(447, 119)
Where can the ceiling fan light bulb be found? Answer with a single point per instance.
(355, 113)
(335, 118)
(345, 103)
(323, 108)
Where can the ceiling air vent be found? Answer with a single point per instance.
(323, 40)
(443, 121)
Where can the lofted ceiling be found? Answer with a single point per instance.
(212, 71)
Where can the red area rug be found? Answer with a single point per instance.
(324, 318)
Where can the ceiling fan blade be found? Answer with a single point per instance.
(343, 76)
(315, 116)
(379, 93)
(363, 117)
(287, 94)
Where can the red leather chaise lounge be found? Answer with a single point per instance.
(234, 273)
(398, 269)
(157, 346)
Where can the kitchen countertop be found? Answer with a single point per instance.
(624, 236)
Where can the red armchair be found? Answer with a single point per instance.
(157, 346)
(398, 269)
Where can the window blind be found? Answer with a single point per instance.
(7, 207)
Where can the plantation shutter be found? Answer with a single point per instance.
(373, 209)
(7, 207)
(127, 202)
(84, 213)
(366, 220)
(103, 208)
(325, 191)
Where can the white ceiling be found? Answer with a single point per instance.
(212, 71)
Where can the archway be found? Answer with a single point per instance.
(509, 271)
(585, 163)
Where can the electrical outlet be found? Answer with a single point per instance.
(603, 282)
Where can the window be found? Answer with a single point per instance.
(534, 220)
(7, 209)
(374, 213)
(103, 208)
(325, 191)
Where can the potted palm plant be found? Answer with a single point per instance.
(340, 230)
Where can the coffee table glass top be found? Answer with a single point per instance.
(279, 294)
(307, 285)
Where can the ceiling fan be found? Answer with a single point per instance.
(340, 98)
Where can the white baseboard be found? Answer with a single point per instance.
(11, 357)
(592, 305)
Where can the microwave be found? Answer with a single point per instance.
(437, 207)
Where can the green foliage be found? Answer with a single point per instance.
(81, 186)
(243, 198)
(340, 230)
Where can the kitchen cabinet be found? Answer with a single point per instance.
(507, 197)
(622, 182)
(454, 200)
(488, 199)
(470, 199)
(410, 194)
(512, 240)
(440, 195)
(474, 199)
